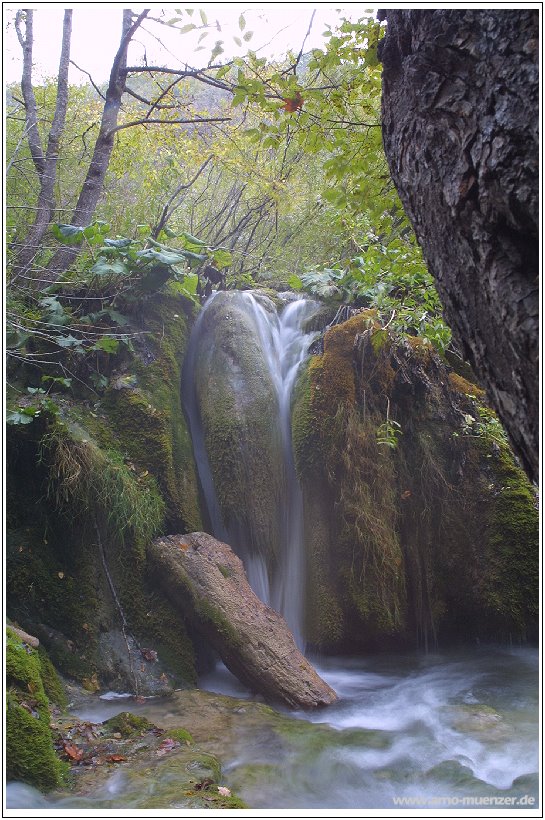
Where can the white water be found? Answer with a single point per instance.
(285, 347)
(418, 727)
(442, 727)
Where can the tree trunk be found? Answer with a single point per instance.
(460, 128)
(94, 181)
(46, 166)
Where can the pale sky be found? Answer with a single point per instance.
(276, 28)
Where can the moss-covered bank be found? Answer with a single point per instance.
(30, 682)
(87, 490)
(419, 524)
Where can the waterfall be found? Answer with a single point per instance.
(284, 346)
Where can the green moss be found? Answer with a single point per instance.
(52, 684)
(128, 725)
(513, 533)
(464, 386)
(30, 756)
(182, 736)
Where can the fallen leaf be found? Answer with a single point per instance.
(149, 654)
(406, 494)
(115, 758)
(204, 784)
(184, 546)
(166, 746)
(73, 752)
(60, 574)
(224, 791)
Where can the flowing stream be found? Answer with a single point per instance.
(454, 730)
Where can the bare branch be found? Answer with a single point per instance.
(168, 122)
(95, 86)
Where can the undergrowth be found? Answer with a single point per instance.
(98, 483)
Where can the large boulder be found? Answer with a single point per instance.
(460, 107)
(236, 405)
(419, 526)
(206, 580)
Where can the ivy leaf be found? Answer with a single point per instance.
(70, 341)
(105, 268)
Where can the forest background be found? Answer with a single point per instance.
(248, 171)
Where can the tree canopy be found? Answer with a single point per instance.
(245, 172)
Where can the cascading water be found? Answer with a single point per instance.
(284, 346)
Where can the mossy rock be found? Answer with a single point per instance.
(30, 756)
(236, 401)
(127, 724)
(131, 459)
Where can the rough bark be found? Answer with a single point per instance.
(460, 126)
(206, 580)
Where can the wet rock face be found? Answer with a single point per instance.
(237, 407)
(460, 129)
(206, 580)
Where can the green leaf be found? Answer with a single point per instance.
(204, 18)
(166, 257)
(58, 380)
(242, 22)
(118, 243)
(191, 242)
(103, 267)
(238, 41)
(67, 234)
(70, 341)
(295, 282)
(248, 36)
(17, 417)
(187, 27)
(222, 258)
(107, 344)
(99, 380)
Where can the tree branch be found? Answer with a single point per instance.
(95, 86)
(167, 122)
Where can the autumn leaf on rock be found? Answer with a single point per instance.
(73, 752)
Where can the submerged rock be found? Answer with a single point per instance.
(205, 578)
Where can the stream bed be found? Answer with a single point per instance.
(456, 729)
